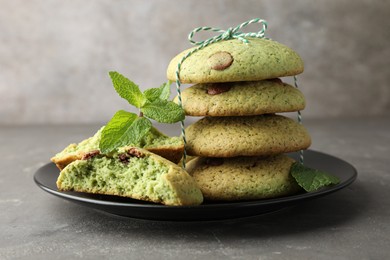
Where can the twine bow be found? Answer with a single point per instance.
(230, 33)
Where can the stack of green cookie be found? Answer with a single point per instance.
(240, 142)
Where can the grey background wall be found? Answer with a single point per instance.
(55, 55)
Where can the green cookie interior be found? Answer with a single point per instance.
(144, 176)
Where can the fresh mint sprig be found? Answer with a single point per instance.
(311, 179)
(126, 128)
(127, 89)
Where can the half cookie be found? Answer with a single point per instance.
(170, 148)
(245, 136)
(243, 178)
(134, 173)
(241, 98)
(233, 60)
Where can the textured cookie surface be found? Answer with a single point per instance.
(245, 136)
(233, 60)
(170, 148)
(243, 178)
(134, 173)
(241, 98)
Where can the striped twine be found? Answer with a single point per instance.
(299, 116)
(231, 33)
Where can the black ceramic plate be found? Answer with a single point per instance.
(46, 177)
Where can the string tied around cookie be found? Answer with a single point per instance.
(230, 33)
(299, 118)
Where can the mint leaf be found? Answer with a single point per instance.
(152, 94)
(124, 128)
(127, 89)
(163, 111)
(311, 179)
(139, 129)
(163, 92)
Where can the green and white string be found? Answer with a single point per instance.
(230, 33)
(299, 117)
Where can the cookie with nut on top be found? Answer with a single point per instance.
(243, 98)
(233, 60)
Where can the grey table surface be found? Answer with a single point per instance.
(353, 223)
